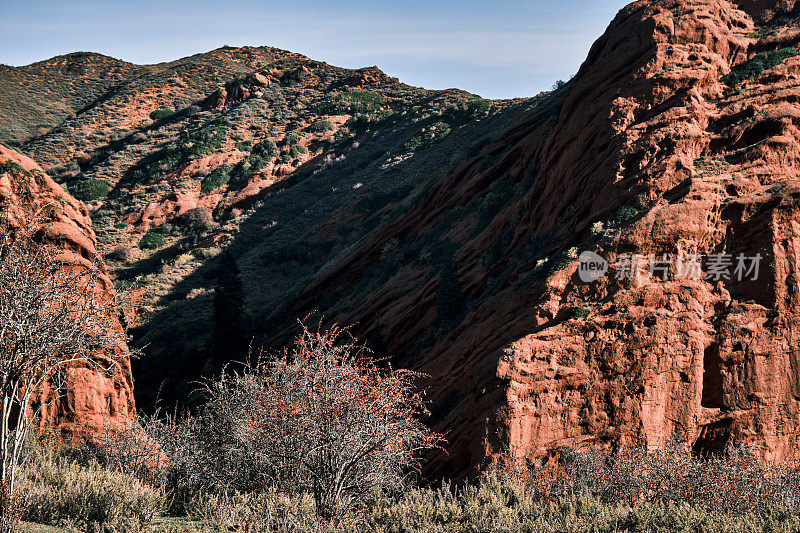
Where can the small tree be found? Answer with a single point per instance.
(322, 418)
(53, 314)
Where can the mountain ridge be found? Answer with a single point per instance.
(447, 229)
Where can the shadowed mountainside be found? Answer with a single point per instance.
(677, 136)
(285, 162)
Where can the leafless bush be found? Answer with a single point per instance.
(122, 254)
(197, 220)
(323, 418)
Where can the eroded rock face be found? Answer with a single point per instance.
(703, 362)
(92, 400)
(701, 165)
(766, 10)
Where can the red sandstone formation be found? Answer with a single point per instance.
(237, 91)
(702, 165)
(93, 399)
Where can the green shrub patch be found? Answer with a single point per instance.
(754, 67)
(90, 190)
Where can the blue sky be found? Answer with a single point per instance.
(498, 49)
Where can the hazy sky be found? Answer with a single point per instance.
(495, 48)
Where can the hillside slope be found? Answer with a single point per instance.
(678, 136)
(280, 160)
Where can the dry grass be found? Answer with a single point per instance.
(58, 491)
(586, 491)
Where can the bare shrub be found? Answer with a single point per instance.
(197, 221)
(122, 254)
(323, 418)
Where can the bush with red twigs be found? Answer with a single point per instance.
(323, 418)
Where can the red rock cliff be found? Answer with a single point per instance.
(651, 149)
(92, 399)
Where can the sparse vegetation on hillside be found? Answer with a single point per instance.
(479, 106)
(90, 190)
(754, 67)
(11, 166)
(160, 114)
(188, 147)
(321, 126)
(297, 150)
(352, 102)
(153, 239)
(47, 93)
(498, 197)
(622, 215)
(244, 146)
(202, 142)
(215, 179)
(581, 312)
(428, 136)
(248, 166)
(267, 149)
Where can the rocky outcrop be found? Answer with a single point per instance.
(653, 148)
(766, 10)
(93, 400)
(710, 361)
(237, 91)
(367, 77)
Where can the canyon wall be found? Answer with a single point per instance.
(675, 137)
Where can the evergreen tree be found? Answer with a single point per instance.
(228, 341)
